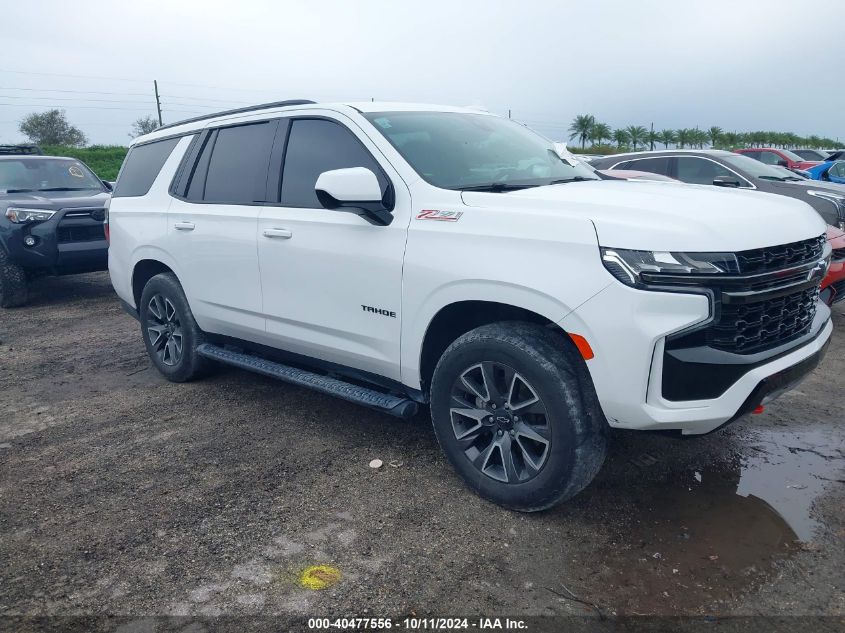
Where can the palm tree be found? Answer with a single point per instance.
(731, 139)
(599, 132)
(620, 137)
(652, 137)
(684, 137)
(715, 133)
(667, 137)
(699, 138)
(636, 134)
(580, 128)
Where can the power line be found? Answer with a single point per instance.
(90, 92)
(72, 99)
(62, 107)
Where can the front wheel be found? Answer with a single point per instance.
(13, 288)
(171, 335)
(515, 412)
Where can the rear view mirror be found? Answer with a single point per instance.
(355, 189)
(726, 181)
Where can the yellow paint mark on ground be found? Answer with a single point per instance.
(319, 577)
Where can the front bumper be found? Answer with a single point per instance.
(69, 242)
(628, 330)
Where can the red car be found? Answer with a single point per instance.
(782, 157)
(833, 286)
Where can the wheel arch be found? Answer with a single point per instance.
(459, 317)
(142, 272)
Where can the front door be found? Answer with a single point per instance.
(331, 281)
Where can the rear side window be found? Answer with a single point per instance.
(315, 146)
(651, 165)
(698, 171)
(237, 164)
(141, 167)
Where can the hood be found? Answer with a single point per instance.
(644, 215)
(817, 184)
(54, 199)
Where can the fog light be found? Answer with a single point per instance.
(29, 240)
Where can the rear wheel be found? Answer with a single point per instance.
(171, 335)
(515, 412)
(13, 289)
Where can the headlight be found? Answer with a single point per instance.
(22, 216)
(645, 268)
(838, 201)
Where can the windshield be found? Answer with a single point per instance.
(49, 174)
(455, 150)
(755, 169)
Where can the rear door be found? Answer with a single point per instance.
(332, 282)
(212, 227)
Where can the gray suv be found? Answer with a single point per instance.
(727, 169)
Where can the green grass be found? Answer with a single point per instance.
(105, 160)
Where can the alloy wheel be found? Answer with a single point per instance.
(164, 330)
(499, 422)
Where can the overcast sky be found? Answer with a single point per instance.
(739, 64)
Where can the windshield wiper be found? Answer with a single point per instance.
(19, 190)
(66, 189)
(561, 181)
(776, 178)
(496, 187)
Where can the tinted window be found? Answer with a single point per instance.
(770, 158)
(315, 146)
(141, 167)
(237, 167)
(754, 155)
(838, 170)
(699, 171)
(652, 165)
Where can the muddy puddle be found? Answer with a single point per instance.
(700, 529)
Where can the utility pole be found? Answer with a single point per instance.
(651, 137)
(509, 113)
(158, 102)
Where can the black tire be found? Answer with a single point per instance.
(565, 415)
(166, 321)
(13, 288)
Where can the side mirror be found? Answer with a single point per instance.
(726, 181)
(783, 163)
(356, 190)
(109, 186)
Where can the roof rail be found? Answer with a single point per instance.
(275, 104)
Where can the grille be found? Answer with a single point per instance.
(752, 327)
(762, 260)
(838, 254)
(80, 233)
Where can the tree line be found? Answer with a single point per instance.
(585, 128)
(53, 128)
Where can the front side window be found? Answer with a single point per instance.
(698, 171)
(455, 150)
(315, 146)
(770, 158)
(46, 174)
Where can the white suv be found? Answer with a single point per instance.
(401, 255)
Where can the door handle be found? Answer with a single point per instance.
(283, 234)
(184, 226)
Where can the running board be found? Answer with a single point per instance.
(394, 405)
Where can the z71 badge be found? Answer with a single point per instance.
(443, 216)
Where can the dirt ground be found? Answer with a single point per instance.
(124, 495)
